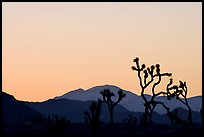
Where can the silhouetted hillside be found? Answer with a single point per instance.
(17, 117)
(15, 111)
(74, 109)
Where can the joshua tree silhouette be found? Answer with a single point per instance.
(94, 116)
(178, 92)
(107, 98)
(146, 77)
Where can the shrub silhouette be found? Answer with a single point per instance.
(179, 91)
(56, 123)
(132, 120)
(94, 116)
(51, 123)
(174, 118)
(60, 124)
(146, 77)
(107, 98)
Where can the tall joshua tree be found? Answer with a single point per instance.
(180, 91)
(147, 76)
(107, 98)
(94, 116)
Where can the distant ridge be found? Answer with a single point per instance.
(132, 101)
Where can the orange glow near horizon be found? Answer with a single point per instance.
(52, 48)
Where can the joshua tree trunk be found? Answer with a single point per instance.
(189, 114)
(150, 117)
(111, 117)
(146, 117)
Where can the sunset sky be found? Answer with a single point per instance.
(52, 48)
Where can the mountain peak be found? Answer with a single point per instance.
(89, 94)
(101, 87)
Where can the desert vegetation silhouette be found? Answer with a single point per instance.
(153, 74)
(94, 116)
(179, 91)
(107, 98)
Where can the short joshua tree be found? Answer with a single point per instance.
(94, 116)
(107, 98)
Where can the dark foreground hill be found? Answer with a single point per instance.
(15, 111)
(73, 110)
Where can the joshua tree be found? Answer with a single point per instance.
(107, 98)
(94, 116)
(146, 77)
(178, 92)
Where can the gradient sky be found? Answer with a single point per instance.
(52, 48)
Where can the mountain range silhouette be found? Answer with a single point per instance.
(72, 105)
(132, 101)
